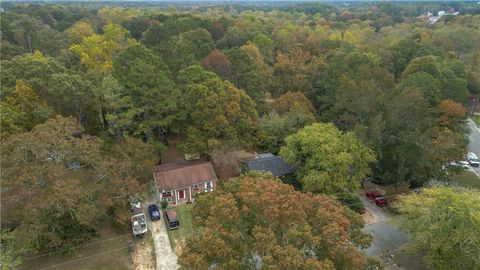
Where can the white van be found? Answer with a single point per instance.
(473, 159)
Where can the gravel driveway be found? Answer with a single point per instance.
(386, 236)
(165, 258)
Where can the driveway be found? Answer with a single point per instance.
(474, 142)
(386, 236)
(165, 258)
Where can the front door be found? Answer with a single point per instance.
(181, 194)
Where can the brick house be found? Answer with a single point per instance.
(178, 182)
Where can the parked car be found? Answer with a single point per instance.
(462, 164)
(154, 212)
(171, 219)
(377, 180)
(377, 197)
(473, 159)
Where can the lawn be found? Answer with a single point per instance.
(186, 228)
(476, 119)
(467, 179)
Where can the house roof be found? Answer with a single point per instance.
(176, 175)
(274, 164)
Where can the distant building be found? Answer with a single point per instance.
(433, 19)
(268, 162)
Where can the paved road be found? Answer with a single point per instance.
(474, 140)
(386, 236)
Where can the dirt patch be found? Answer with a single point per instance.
(367, 217)
(143, 256)
(226, 162)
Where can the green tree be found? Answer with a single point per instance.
(291, 112)
(35, 69)
(216, 112)
(256, 218)
(202, 41)
(178, 53)
(73, 95)
(25, 100)
(147, 94)
(444, 223)
(10, 258)
(326, 159)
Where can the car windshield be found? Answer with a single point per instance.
(474, 160)
(155, 213)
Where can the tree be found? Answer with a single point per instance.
(326, 159)
(291, 112)
(286, 102)
(98, 51)
(148, 96)
(202, 41)
(79, 31)
(10, 258)
(178, 53)
(257, 220)
(73, 95)
(218, 63)
(248, 71)
(292, 71)
(443, 222)
(24, 100)
(35, 69)
(59, 186)
(216, 112)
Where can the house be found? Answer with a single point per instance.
(268, 162)
(179, 182)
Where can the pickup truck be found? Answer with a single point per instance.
(139, 220)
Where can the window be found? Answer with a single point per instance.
(166, 194)
(195, 187)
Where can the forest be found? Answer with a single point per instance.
(92, 92)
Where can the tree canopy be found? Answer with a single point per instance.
(444, 223)
(326, 159)
(257, 221)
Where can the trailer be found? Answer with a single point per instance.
(139, 220)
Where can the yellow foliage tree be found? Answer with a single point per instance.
(98, 51)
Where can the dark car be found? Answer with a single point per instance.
(377, 197)
(377, 180)
(171, 219)
(154, 212)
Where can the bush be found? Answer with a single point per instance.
(164, 204)
(353, 202)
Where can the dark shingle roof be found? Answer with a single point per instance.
(273, 164)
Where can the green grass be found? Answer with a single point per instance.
(476, 119)
(467, 179)
(186, 228)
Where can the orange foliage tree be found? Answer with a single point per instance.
(257, 220)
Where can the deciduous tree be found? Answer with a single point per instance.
(444, 223)
(255, 220)
(326, 159)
